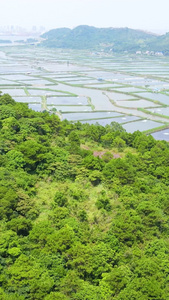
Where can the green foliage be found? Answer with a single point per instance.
(20, 225)
(33, 152)
(60, 199)
(6, 99)
(121, 169)
(119, 143)
(82, 215)
(95, 177)
(15, 159)
(76, 223)
(28, 278)
(93, 163)
(103, 201)
(10, 126)
(8, 198)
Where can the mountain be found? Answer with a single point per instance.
(117, 39)
(160, 43)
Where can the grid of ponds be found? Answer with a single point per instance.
(129, 79)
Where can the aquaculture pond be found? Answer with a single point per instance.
(91, 115)
(105, 122)
(36, 82)
(43, 92)
(98, 99)
(54, 67)
(136, 104)
(67, 100)
(103, 86)
(27, 99)
(129, 89)
(156, 96)
(119, 97)
(75, 79)
(160, 110)
(14, 92)
(36, 107)
(72, 108)
(17, 77)
(84, 82)
(142, 125)
(4, 82)
(161, 135)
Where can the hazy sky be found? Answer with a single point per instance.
(140, 14)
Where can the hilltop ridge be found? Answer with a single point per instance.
(109, 39)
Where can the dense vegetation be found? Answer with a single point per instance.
(116, 39)
(76, 222)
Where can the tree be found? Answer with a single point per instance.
(10, 126)
(34, 153)
(15, 159)
(6, 99)
(119, 168)
(28, 278)
(103, 201)
(95, 177)
(74, 141)
(93, 163)
(119, 143)
(60, 199)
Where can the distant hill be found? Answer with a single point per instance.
(160, 43)
(117, 39)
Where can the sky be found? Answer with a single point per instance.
(149, 15)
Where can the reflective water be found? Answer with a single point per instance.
(14, 92)
(28, 99)
(141, 125)
(161, 135)
(118, 96)
(91, 115)
(137, 103)
(160, 110)
(67, 100)
(72, 108)
(43, 92)
(36, 107)
(104, 122)
(157, 97)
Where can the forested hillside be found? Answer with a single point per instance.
(88, 37)
(114, 39)
(84, 210)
